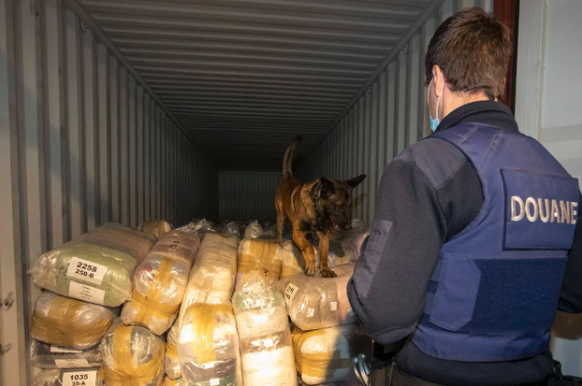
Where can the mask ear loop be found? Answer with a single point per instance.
(439, 100)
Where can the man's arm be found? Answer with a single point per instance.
(571, 296)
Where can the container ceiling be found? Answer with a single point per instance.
(245, 77)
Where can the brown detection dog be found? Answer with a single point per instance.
(315, 207)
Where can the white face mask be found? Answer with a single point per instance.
(434, 123)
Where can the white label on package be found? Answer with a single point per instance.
(86, 293)
(215, 382)
(290, 292)
(80, 378)
(86, 271)
(62, 350)
(71, 363)
(333, 306)
(310, 312)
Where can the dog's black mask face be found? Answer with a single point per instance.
(332, 200)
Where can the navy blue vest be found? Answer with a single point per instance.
(495, 290)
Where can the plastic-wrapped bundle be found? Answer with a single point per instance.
(316, 302)
(212, 277)
(201, 227)
(208, 346)
(61, 377)
(325, 355)
(265, 338)
(291, 258)
(269, 233)
(160, 280)
(231, 229)
(253, 230)
(351, 242)
(132, 355)
(172, 362)
(173, 382)
(258, 256)
(69, 323)
(96, 267)
(157, 228)
(45, 356)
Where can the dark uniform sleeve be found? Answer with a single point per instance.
(571, 296)
(422, 201)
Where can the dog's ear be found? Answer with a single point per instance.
(356, 181)
(327, 188)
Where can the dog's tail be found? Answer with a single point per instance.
(288, 158)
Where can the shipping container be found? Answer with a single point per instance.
(130, 111)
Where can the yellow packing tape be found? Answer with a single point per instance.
(320, 365)
(259, 256)
(172, 351)
(61, 327)
(203, 325)
(124, 373)
(149, 306)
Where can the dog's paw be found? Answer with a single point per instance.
(309, 269)
(328, 273)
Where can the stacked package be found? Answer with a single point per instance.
(253, 230)
(324, 356)
(258, 257)
(46, 356)
(208, 346)
(291, 258)
(96, 267)
(160, 280)
(172, 361)
(132, 355)
(157, 228)
(265, 338)
(213, 274)
(231, 228)
(58, 377)
(317, 302)
(69, 323)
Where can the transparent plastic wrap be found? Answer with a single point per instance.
(159, 282)
(269, 233)
(132, 355)
(172, 362)
(208, 347)
(173, 382)
(212, 277)
(157, 228)
(265, 338)
(69, 377)
(293, 262)
(231, 229)
(324, 356)
(69, 323)
(253, 231)
(316, 302)
(258, 256)
(351, 242)
(46, 356)
(96, 267)
(201, 227)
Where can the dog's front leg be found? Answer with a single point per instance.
(323, 255)
(306, 249)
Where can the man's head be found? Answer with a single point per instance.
(470, 53)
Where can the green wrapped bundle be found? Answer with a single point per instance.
(96, 267)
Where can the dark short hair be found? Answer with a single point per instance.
(472, 49)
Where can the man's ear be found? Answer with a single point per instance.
(356, 181)
(327, 188)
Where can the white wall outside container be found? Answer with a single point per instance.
(390, 116)
(82, 142)
(248, 195)
(549, 88)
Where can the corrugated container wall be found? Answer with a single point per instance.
(387, 117)
(248, 195)
(82, 142)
